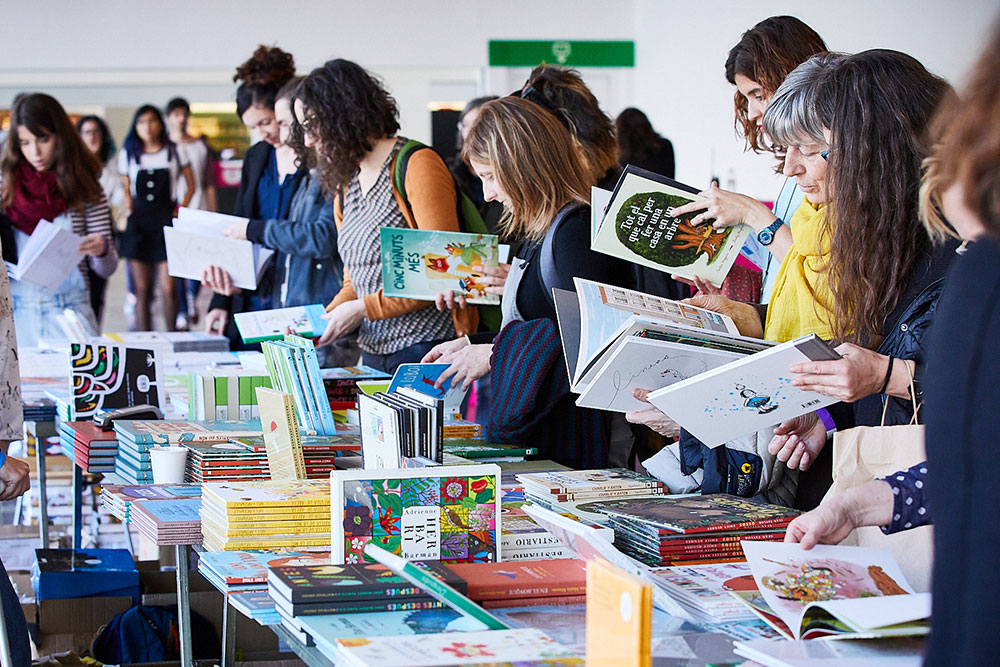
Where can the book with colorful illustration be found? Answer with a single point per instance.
(105, 377)
(421, 377)
(713, 513)
(251, 567)
(352, 581)
(449, 513)
(260, 325)
(281, 435)
(834, 591)
(170, 432)
(420, 264)
(639, 227)
(746, 395)
(524, 579)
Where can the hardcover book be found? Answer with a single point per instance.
(251, 567)
(420, 264)
(260, 325)
(639, 227)
(746, 395)
(697, 514)
(166, 432)
(106, 377)
(619, 616)
(523, 579)
(281, 435)
(449, 513)
(584, 481)
(421, 378)
(353, 581)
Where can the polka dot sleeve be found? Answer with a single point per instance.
(909, 499)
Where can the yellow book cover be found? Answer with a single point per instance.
(209, 526)
(281, 435)
(283, 542)
(291, 519)
(619, 617)
(243, 495)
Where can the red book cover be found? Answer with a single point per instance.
(523, 579)
(534, 602)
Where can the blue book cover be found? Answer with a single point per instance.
(183, 510)
(258, 605)
(353, 373)
(421, 377)
(169, 432)
(250, 567)
(69, 573)
(313, 383)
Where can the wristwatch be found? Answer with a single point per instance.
(766, 235)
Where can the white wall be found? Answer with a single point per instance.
(681, 50)
(121, 53)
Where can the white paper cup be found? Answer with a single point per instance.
(168, 464)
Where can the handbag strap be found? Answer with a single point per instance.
(913, 396)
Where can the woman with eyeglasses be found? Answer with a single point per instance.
(269, 178)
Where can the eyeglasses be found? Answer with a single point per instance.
(308, 125)
(825, 154)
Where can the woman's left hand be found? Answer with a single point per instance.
(860, 373)
(467, 365)
(342, 320)
(94, 245)
(237, 230)
(653, 418)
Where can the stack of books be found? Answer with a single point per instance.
(90, 448)
(256, 605)
(341, 384)
(136, 437)
(265, 515)
(168, 522)
(704, 590)
(529, 583)
(693, 529)
(224, 393)
(319, 451)
(75, 573)
(462, 428)
(170, 341)
(549, 489)
(224, 462)
(246, 571)
(117, 499)
(523, 539)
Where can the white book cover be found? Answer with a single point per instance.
(746, 395)
(635, 362)
(639, 227)
(834, 590)
(259, 325)
(189, 253)
(606, 312)
(381, 441)
(886, 652)
(468, 648)
(48, 258)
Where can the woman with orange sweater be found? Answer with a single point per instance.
(352, 122)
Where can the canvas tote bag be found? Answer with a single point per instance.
(867, 452)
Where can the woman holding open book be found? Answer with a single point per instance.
(959, 483)
(858, 271)
(527, 161)
(49, 175)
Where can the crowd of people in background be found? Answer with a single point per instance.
(887, 171)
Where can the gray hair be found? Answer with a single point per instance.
(792, 116)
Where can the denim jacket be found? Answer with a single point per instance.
(307, 265)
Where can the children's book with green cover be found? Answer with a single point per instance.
(639, 227)
(420, 264)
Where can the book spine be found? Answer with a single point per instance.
(529, 540)
(535, 602)
(779, 522)
(221, 397)
(540, 553)
(362, 607)
(597, 495)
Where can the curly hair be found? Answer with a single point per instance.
(533, 161)
(77, 169)
(969, 149)
(877, 105)
(561, 90)
(262, 76)
(766, 53)
(349, 110)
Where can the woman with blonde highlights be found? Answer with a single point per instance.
(527, 161)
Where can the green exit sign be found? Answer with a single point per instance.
(583, 53)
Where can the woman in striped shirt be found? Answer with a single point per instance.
(48, 174)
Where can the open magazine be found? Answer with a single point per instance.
(616, 340)
(833, 592)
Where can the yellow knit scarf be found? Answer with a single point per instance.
(801, 299)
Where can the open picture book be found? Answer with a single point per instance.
(745, 395)
(195, 242)
(833, 592)
(617, 340)
(638, 226)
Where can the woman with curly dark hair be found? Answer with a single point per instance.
(269, 178)
(640, 145)
(351, 121)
